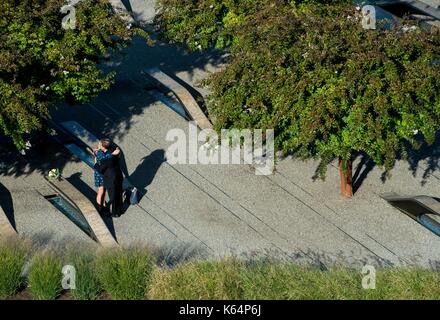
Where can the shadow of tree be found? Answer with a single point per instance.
(129, 85)
(46, 240)
(425, 158)
(316, 259)
(172, 254)
(427, 154)
(175, 253)
(365, 166)
(191, 89)
(12, 163)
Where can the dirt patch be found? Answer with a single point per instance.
(104, 296)
(22, 295)
(25, 294)
(65, 295)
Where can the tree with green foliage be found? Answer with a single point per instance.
(41, 63)
(308, 69)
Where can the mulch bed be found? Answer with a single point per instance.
(65, 295)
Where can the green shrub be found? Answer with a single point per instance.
(278, 281)
(12, 259)
(87, 286)
(199, 280)
(33, 39)
(125, 274)
(129, 274)
(45, 276)
(309, 70)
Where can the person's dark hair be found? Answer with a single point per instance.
(106, 143)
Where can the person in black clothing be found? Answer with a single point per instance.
(102, 153)
(111, 172)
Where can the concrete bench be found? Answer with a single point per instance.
(423, 209)
(86, 207)
(431, 205)
(186, 99)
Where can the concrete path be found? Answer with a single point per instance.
(217, 210)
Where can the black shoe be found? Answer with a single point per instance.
(116, 215)
(103, 211)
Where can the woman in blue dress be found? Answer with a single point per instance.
(102, 153)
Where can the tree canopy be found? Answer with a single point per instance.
(41, 63)
(309, 70)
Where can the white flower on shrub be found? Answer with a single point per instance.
(54, 173)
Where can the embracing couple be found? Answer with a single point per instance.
(108, 178)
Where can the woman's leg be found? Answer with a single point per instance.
(104, 204)
(100, 196)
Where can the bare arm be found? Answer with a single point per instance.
(116, 152)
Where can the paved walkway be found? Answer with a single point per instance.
(215, 210)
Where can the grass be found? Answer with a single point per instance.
(125, 274)
(45, 276)
(230, 280)
(406, 284)
(293, 282)
(87, 285)
(132, 274)
(12, 257)
(198, 280)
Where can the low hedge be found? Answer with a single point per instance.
(12, 260)
(125, 274)
(45, 276)
(133, 274)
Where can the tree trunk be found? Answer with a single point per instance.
(346, 179)
(42, 138)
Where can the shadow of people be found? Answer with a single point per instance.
(7, 205)
(144, 173)
(90, 193)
